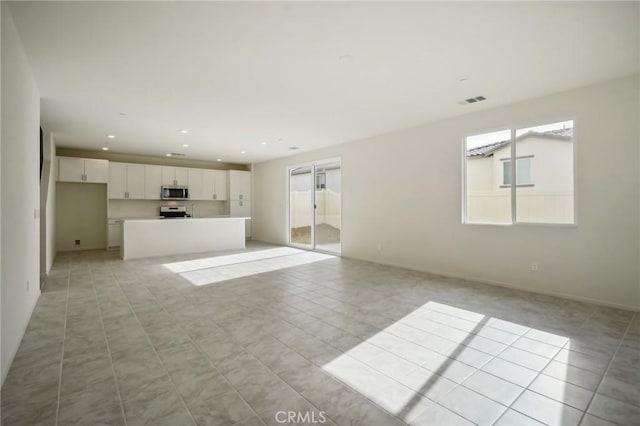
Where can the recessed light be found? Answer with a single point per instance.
(243, 152)
(184, 132)
(122, 114)
(105, 148)
(293, 148)
(263, 143)
(167, 155)
(219, 159)
(186, 145)
(464, 80)
(346, 57)
(111, 136)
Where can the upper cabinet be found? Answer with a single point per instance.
(220, 187)
(205, 184)
(175, 176)
(86, 170)
(152, 182)
(239, 185)
(126, 181)
(196, 184)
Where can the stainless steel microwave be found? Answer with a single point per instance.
(175, 193)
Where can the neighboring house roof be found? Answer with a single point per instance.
(488, 150)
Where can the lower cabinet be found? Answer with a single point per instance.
(114, 233)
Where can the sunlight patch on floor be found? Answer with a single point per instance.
(426, 354)
(230, 259)
(238, 266)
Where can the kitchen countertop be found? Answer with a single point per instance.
(160, 217)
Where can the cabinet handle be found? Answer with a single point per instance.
(215, 196)
(126, 195)
(175, 182)
(240, 203)
(240, 196)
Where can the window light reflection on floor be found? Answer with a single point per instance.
(423, 356)
(227, 267)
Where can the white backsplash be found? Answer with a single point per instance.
(151, 208)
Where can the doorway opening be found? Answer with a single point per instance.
(315, 206)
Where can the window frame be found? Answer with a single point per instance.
(513, 128)
(519, 185)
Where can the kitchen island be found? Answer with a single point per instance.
(162, 237)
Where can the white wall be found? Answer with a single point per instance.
(403, 190)
(19, 186)
(2, 370)
(50, 212)
(48, 205)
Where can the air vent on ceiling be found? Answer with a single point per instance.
(177, 154)
(472, 100)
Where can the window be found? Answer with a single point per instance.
(543, 190)
(523, 172)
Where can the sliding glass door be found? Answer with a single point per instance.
(301, 206)
(315, 206)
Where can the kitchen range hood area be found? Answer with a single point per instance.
(186, 209)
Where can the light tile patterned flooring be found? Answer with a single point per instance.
(150, 342)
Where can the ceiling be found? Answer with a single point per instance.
(263, 77)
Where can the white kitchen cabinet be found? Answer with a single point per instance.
(239, 185)
(220, 187)
(117, 180)
(196, 185)
(214, 185)
(86, 170)
(241, 208)
(126, 181)
(175, 176)
(207, 185)
(152, 182)
(135, 181)
(96, 171)
(114, 233)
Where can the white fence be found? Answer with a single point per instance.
(542, 208)
(328, 208)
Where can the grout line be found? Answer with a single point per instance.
(359, 338)
(175, 388)
(64, 336)
(595, 392)
(525, 388)
(231, 264)
(203, 354)
(104, 333)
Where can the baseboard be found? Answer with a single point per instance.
(448, 274)
(24, 330)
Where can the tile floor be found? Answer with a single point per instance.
(245, 338)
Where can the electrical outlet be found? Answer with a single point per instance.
(534, 266)
(77, 242)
